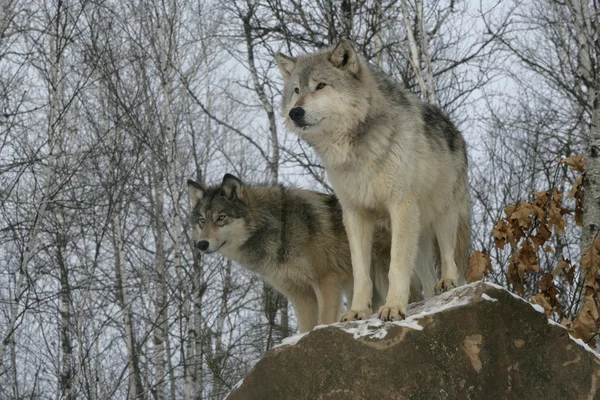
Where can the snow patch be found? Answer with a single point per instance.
(538, 308)
(583, 344)
(496, 286)
(374, 328)
(235, 387)
(488, 298)
(292, 340)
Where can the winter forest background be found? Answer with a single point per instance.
(108, 107)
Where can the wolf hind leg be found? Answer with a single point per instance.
(425, 265)
(329, 297)
(306, 308)
(446, 227)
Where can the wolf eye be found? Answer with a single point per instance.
(321, 86)
(221, 217)
(297, 90)
(201, 220)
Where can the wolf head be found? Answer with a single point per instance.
(218, 214)
(324, 92)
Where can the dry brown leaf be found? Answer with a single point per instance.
(508, 210)
(542, 301)
(556, 218)
(542, 236)
(528, 261)
(576, 187)
(479, 264)
(547, 283)
(570, 275)
(561, 267)
(586, 322)
(567, 323)
(577, 163)
(500, 234)
(590, 262)
(522, 214)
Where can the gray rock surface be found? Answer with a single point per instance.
(474, 342)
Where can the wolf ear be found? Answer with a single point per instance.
(286, 64)
(344, 57)
(232, 188)
(196, 192)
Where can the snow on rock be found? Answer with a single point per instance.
(576, 340)
(291, 340)
(374, 328)
(486, 297)
(540, 309)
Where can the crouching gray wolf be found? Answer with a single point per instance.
(392, 161)
(293, 238)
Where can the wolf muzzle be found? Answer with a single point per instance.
(296, 114)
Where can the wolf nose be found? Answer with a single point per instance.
(202, 245)
(297, 113)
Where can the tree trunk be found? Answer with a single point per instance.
(424, 51)
(66, 374)
(220, 354)
(591, 213)
(273, 162)
(414, 59)
(136, 387)
(591, 205)
(160, 329)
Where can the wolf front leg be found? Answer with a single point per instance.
(359, 228)
(406, 227)
(446, 229)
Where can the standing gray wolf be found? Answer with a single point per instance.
(392, 161)
(293, 238)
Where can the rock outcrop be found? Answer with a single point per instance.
(475, 342)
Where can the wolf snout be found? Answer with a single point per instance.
(297, 113)
(202, 245)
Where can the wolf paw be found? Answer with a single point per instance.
(444, 285)
(352, 315)
(391, 313)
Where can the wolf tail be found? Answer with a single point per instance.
(462, 250)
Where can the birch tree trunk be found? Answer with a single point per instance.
(136, 387)
(161, 295)
(277, 299)
(424, 52)
(66, 374)
(591, 212)
(415, 60)
(49, 186)
(198, 348)
(586, 48)
(166, 20)
(377, 27)
(220, 354)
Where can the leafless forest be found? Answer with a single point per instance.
(108, 107)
